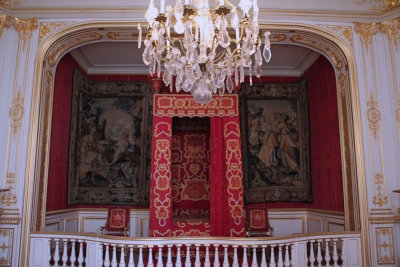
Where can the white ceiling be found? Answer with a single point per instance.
(126, 58)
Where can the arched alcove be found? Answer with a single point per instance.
(62, 43)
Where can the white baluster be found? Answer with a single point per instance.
(207, 259)
(335, 254)
(131, 259)
(280, 258)
(293, 261)
(187, 261)
(80, 256)
(235, 257)
(319, 255)
(254, 262)
(287, 259)
(341, 255)
(226, 262)
(150, 260)
(272, 262)
(244, 262)
(100, 256)
(65, 255)
(73, 253)
(49, 251)
(327, 254)
(169, 258)
(263, 256)
(114, 262)
(159, 261)
(122, 258)
(312, 258)
(178, 262)
(197, 261)
(216, 256)
(140, 261)
(57, 253)
(107, 257)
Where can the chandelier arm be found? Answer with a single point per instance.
(229, 4)
(244, 23)
(219, 56)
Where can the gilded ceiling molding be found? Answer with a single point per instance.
(381, 5)
(46, 28)
(25, 27)
(5, 22)
(9, 3)
(392, 30)
(346, 32)
(366, 31)
(60, 48)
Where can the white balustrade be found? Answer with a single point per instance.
(66, 249)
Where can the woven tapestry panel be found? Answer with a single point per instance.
(275, 133)
(110, 142)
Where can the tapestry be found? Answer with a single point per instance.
(275, 130)
(109, 152)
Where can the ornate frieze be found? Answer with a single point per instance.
(381, 5)
(9, 3)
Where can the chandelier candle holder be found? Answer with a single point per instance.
(200, 52)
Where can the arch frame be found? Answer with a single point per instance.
(69, 37)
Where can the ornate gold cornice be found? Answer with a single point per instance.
(25, 27)
(392, 30)
(5, 22)
(366, 31)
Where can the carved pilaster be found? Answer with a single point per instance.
(5, 22)
(392, 30)
(366, 31)
(25, 27)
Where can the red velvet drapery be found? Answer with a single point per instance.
(226, 186)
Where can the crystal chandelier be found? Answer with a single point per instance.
(200, 56)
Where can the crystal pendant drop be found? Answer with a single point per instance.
(241, 74)
(140, 36)
(267, 47)
(258, 71)
(202, 93)
(229, 84)
(267, 54)
(236, 76)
